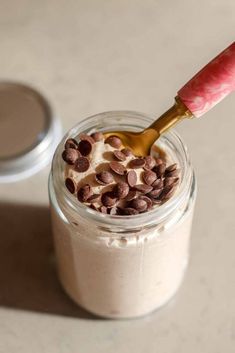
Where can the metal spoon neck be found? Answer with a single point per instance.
(171, 117)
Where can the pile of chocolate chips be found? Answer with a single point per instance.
(126, 197)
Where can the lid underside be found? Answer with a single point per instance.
(23, 120)
(28, 130)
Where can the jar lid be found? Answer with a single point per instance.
(29, 132)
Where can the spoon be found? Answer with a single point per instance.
(207, 88)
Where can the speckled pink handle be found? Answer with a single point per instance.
(210, 85)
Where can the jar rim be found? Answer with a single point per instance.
(157, 214)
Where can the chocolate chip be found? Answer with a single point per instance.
(171, 168)
(175, 173)
(143, 188)
(108, 199)
(156, 202)
(160, 169)
(149, 177)
(129, 211)
(131, 195)
(147, 200)
(170, 181)
(113, 141)
(93, 198)
(70, 155)
(85, 147)
(117, 167)
(127, 152)
(149, 163)
(119, 155)
(139, 205)
(84, 193)
(167, 192)
(121, 190)
(85, 137)
(103, 209)
(97, 136)
(159, 161)
(137, 163)
(71, 143)
(158, 184)
(177, 180)
(104, 178)
(70, 185)
(154, 193)
(94, 207)
(132, 178)
(82, 164)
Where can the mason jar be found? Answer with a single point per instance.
(122, 266)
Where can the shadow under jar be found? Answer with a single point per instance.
(122, 266)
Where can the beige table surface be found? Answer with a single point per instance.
(91, 56)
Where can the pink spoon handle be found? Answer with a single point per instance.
(211, 84)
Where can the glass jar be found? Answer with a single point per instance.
(115, 266)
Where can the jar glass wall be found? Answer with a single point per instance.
(117, 266)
